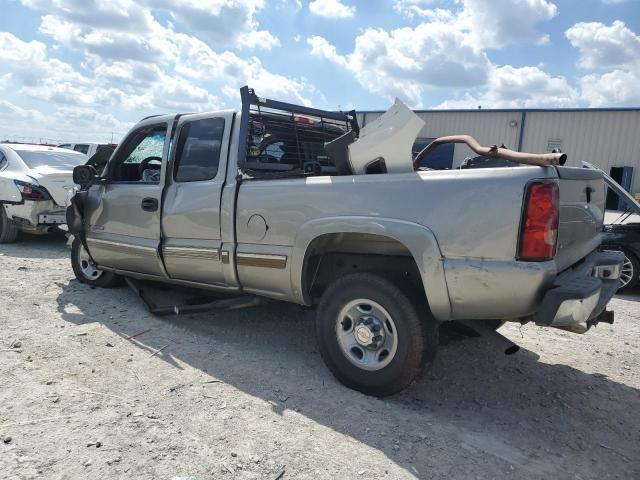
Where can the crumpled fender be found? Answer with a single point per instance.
(74, 214)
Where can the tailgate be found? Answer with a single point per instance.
(582, 206)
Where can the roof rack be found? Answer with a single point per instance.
(252, 104)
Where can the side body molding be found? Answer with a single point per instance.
(419, 240)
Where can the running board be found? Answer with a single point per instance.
(183, 301)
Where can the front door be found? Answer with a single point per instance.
(191, 244)
(122, 217)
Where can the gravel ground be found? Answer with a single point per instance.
(245, 395)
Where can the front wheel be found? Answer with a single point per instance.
(86, 272)
(371, 335)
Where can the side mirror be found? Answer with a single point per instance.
(83, 175)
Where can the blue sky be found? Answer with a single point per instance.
(79, 70)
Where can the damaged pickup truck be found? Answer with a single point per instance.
(301, 205)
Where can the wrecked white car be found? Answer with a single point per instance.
(34, 183)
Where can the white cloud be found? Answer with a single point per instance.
(151, 45)
(115, 26)
(62, 124)
(196, 60)
(30, 62)
(146, 68)
(603, 45)
(220, 22)
(331, 9)
(489, 23)
(404, 61)
(525, 87)
(616, 88)
(14, 113)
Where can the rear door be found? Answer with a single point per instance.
(122, 217)
(192, 240)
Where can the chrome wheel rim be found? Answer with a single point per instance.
(86, 267)
(366, 334)
(626, 274)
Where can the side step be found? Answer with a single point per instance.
(171, 300)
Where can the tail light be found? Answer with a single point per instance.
(30, 191)
(539, 226)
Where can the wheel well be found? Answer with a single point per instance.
(335, 255)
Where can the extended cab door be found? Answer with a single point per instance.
(191, 237)
(122, 216)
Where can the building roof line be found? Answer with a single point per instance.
(518, 110)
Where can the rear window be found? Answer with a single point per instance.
(60, 160)
(82, 148)
(198, 151)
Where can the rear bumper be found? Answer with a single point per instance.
(36, 217)
(579, 296)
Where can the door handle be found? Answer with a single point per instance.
(150, 204)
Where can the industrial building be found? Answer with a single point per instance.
(608, 138)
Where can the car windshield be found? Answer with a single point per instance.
(54, 159)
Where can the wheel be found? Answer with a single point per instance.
(629, 272)
(371, 335)
(86, 272)
(8, 228)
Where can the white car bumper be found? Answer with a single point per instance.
(36, 217)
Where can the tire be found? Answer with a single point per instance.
(375, 308)
(8, 228)
(630, 272)
(86, 273)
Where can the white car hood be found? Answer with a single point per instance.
(57, 182)
(391, 137)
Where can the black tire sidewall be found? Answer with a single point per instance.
(410, 356)
(8, 229)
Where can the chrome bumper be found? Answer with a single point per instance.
(578, 299)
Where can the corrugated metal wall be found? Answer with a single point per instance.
(604, 138)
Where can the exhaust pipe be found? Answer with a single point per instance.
(539, 159)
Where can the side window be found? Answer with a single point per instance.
(66, 145)
(3, 161)
(140, 157)
(198, 150)
(82, 148)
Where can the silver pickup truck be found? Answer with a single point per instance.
(303, 206)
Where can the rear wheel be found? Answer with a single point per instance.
(371, 336)
(8, 228)
(86, 272)
(630, 272)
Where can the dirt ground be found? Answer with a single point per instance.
(245, 395)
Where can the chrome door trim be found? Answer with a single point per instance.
(121, 246)
(192, 252)
(261, 260)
